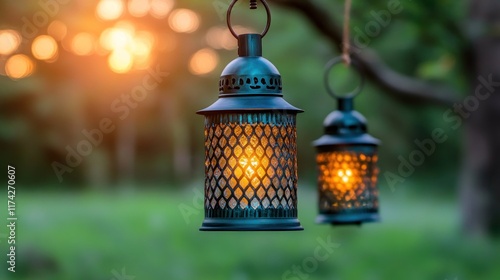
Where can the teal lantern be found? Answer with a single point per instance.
(347, 164)
(250, 145)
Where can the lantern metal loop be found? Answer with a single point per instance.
(347, 164)
(326, 78)
(250, 147)
(253, 6)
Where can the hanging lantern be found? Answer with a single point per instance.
(347, 164)
(250, 145)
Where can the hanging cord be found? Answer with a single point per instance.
(346, 44)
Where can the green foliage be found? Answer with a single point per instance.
(88, 236)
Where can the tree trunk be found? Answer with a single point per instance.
(125, 151)
(480, 184)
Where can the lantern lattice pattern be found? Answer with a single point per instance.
(250, 165)
(347, 181)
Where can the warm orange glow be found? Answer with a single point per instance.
(345, 175)
(19, 66)
(44, 47)
(120, 61)
(146, 37)
(9, 41)
(128, 46)
(219, 37)
(250, 166)
(161, 8)
(203, 61)
(214, 37)
(138, 8)
(116, 38)
(141, 49)
(57, 30)
(184, 21)
(349, 179)
(109, 9)
(126, 25)
(83, 44)
(167, 42)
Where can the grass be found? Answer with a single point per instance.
(94, 236)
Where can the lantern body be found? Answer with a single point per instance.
(250, 148)
(347, 184)
(347, 166)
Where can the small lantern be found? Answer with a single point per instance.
(250, 145)
(347, 164)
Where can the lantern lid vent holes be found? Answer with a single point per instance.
(344, 125)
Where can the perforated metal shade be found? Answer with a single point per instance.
(250, 147)
(347, 165)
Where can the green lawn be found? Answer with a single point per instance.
(92, 236)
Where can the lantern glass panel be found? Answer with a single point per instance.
(347, 180)
(250, 165)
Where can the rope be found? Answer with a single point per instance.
(346, 44)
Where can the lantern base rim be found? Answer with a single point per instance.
(259, 224)
(348, 218)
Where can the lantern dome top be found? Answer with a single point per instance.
(345, 126)
(250, 82)
(250, 73)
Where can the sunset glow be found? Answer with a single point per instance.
(203, 62)
(120, 61)
(109, 9)
(57, 30)
(9, 41)
(44, 47)
(19, 66)
(161, 8)
(184, 21)
(83, 44)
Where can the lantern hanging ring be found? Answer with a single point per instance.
(328, 69)
(253, 5)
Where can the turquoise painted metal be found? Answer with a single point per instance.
(250, 146)
(347, 164)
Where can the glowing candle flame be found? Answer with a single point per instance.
(249, 165)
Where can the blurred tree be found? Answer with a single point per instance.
(480, 178)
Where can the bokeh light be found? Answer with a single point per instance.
(213, 37)
(142, 44)
(184, 21)
(57, 30)
(138, 8)
(83, 44)
(109, 9)
(219, 37)
(116, 38)
(120, 61)
(141, 49)
(44, 47)
(9, 41)
(19, 66)
(129, 48)
(203, 61)
(161, 8)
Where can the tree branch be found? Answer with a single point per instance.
(400, 86)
